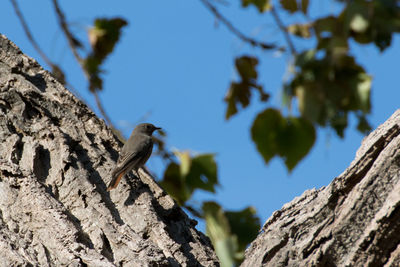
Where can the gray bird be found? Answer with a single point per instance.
(134, 153)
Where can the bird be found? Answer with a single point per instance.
(134, 153)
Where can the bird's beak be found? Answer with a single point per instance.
(158, 128)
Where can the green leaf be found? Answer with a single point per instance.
(310, 105)
(240, 92)
(246, 67)
(192, 173)
(237, 93)
(245, 225)
(335, 45)
(175, 184)
(363, 125)
(102, 36)
(328, 24)
(296, 141)
(217, 228)
(371, 21)
(265, 133)
(359, 23)
(230, 231)
(186, 162)
(305, 57)
(301, 30)
(262, 5)
(289, 138)
(354, 16)
(364, 92)
(339, 123)
(203, 173)
(289, 5)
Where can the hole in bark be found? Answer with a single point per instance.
(41, 163)
(82, 263)
(5, 173)
(107, 145)
(271, 253)
(51, 136)
(30, 111)
(11, 127)
(49, 190)
(17, 151)
(37, 80)
(106, 251)
(145, 235)
(4, 106)
(84, 201)
(84, 238)
(397, 160)
(90, 136)
(48, 256)
(67, 166)
(15, 186)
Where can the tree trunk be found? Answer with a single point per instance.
(56, 157)
(354, 221)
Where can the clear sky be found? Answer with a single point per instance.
(173, 67)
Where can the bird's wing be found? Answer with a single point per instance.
(133, 152)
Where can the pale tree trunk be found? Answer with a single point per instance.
(56, 157)
(354, 221)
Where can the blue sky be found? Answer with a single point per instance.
(173, 67)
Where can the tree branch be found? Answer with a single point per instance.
(284, 31)
(72, 41)
(234, 30)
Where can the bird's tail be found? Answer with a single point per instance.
(116, 178)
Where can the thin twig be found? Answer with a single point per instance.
(100, 106)
(234, 30)
(284, 31)
(71, 39)
(73, 45)
(29, 34)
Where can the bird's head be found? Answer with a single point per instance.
(146, 128)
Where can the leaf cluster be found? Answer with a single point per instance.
(326, 84)
(230, 231)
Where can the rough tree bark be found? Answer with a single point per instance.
(55, 160)
(354, 221)
(56, 157)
